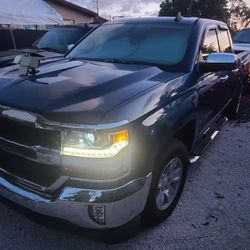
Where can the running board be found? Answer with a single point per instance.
(205, 141)
(194, 159)
(197, 157)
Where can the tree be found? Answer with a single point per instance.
(247, 20)
(239, 12)
(224, 10)
(238, 8)
(172, 7)
(216, 9)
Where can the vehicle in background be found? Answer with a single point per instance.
(241, 40)
(241, 43)
(55, 43)
(107, 133)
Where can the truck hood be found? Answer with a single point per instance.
(78, 91)
(241, 46)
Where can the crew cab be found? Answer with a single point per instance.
(107, 133)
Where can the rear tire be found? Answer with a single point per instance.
(169, 176)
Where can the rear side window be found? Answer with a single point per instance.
(225, 44)
(210, 44)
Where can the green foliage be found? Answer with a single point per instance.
(239, 11)
(215, 9)
(222, 10)
(238, 8)
(171, 9)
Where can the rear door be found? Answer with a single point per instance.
(232, 85)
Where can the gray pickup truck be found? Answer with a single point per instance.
(107, 133)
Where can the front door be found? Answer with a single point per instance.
(210, 86)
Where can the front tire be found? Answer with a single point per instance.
(169, 176)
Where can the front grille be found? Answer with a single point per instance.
(40, 174)
(27, 135)
(19, 155)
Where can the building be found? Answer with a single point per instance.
(73, 13)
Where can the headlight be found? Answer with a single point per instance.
(93, 145)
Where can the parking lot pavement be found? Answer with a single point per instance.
(213, 212)
(245, 108)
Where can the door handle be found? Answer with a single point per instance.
(224, 78)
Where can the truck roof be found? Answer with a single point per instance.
(78, 26)
(168, 20)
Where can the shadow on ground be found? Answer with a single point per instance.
(244, 115)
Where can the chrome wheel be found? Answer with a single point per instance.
(169, 183)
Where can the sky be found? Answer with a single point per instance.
(125, 7)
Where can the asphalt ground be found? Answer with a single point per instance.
(213, 213)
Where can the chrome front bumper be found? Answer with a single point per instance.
(121, 204)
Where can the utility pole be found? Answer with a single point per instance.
(97, 7)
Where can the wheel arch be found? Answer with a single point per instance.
(186, 134)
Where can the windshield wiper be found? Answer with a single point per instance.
(161, 66)
(72, 58)
(111, 60)
(49, 49)
(121, 61)
(33, 47)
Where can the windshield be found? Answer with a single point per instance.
(242, 36)
(58, 39)
(160, 44)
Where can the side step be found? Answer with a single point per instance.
(206, 139)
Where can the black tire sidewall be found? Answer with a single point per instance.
(152, 215)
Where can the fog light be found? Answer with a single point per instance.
(98, 214)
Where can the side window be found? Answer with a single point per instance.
(225, 45)
(210, 44)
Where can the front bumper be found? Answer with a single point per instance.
(121, 204)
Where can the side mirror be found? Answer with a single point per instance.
(219, 62)
(70, 46)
